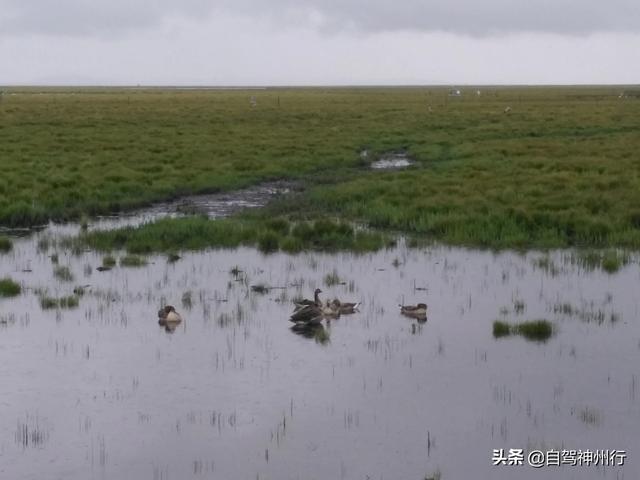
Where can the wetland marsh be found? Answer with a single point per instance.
(233, 211)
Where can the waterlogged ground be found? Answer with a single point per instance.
(102, 391)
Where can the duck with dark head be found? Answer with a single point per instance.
(168, 315)
(306, 302)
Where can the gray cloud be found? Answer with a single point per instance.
(469, 17)
(92, 17)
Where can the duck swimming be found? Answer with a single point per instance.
(414, 311)
(313, 314)
(344, 308)
(306, 302)
(168, 315)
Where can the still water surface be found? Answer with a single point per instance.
(103, 392)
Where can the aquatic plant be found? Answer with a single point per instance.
(331, 279)
(536, 330)
(63, 273)
(108, 261)
(5, 244)
(172, 257)
(71, 301)
(608, 260)
(133, 261)
(9, 288)
(501, 329)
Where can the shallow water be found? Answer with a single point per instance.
(102, 391)
(392, 161)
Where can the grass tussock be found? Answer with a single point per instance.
(48, 303)
(535, 330)
(9, 288)
(197, 233)
(5, 244)
(63, 273)
(332, 279)
(133, 261)
(109, 261)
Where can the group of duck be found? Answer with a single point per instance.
(308, 313)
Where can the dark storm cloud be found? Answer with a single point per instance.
(470, 17)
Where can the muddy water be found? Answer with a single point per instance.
(102, 391)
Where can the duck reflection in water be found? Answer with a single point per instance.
(315, 331)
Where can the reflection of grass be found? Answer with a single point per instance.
(47, 302)
(437, 475)
(536, 330)
(9, 288)
(585, 313)
(260, 288)
(589, 416)
(5, 244)
(608, 260)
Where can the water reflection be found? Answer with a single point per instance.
(108, 394)
(313, 331)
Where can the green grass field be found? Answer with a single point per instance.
(561, 169)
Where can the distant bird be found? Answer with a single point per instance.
(168, 316)
(507, 110)
(414, 311)
(344, 308)
(306, 302)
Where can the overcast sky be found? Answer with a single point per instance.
(314, 42)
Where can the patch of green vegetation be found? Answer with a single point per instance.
(9, 288)
(535, 330)
(331, 279)
(5, 244)
(480, 177)
(538, 330)
(197, 233)
(63, 273)
(608, 260)
(268, 241)
(47, 303)
(133, 261)
(172, 257)
(109, 261)
(501, 329)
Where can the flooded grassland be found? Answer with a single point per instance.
(535, 348)
(100, 390)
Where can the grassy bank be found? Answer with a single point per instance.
(560, 169)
